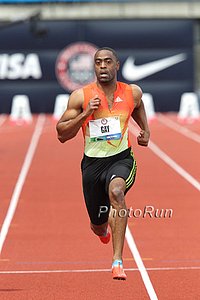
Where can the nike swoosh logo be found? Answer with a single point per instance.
(132, 72)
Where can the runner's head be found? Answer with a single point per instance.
(106, 65)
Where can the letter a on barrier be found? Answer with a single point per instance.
(60, 106)
(20, 110)
(189, 108)
(149, 106)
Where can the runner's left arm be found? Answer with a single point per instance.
(139, 116)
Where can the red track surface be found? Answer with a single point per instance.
(49, 244)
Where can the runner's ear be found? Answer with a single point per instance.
(118, 65)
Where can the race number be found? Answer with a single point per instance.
(105, 129)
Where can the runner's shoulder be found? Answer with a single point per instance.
(76, 98)
(136, 90)
(137, 94)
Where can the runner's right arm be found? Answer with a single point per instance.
(74, 116)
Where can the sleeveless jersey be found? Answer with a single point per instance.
(106, 130)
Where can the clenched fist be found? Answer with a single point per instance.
(93, 105)
(143, 138)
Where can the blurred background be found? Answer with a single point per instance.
(46, 48)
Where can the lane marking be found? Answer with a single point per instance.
(98, 270)
(138, 260)
(21, 179)
(129, 237)
(169, 161)
(2, 119)
(182, 172)
(180, 129)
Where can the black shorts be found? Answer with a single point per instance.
(96, 176)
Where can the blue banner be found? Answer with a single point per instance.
(43, 59)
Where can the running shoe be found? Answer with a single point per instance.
(118, 271)
(105, 238)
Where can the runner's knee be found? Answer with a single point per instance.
(117, 187)
(116, 195)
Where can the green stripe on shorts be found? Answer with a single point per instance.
(131, 176)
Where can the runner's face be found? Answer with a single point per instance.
(106, 66)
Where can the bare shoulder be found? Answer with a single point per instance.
(137, 94)
(74, 106)
(76, 99)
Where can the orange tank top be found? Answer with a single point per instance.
(106, 130)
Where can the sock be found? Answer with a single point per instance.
(117, 262)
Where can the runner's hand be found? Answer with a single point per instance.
(93, 105)
(143, 138)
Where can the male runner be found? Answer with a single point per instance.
(103, 109)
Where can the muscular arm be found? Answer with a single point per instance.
(73, 118)
(139, 116)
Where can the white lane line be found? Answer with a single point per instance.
(129, 236)
(147, 282)
(169, 161)
(21, 179)
(97, 270)
(174, 165)
(180, 129)
(2, 119)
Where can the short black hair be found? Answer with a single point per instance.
(109, 49)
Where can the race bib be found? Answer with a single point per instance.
(105, 129)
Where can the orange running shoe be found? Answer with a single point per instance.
(105, 238)
(118, 271)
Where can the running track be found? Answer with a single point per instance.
(47, 249)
